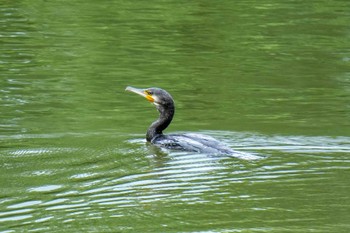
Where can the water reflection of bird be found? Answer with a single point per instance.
(186, 142)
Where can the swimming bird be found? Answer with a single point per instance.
(191, 142)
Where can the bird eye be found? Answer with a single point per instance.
(148, 92)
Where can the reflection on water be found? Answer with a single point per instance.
(129, 185)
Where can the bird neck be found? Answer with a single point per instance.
(165, 118)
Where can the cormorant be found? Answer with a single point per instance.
(186, 142)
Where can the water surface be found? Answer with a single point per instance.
(269, 79)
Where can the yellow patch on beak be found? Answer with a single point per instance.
(149, 97)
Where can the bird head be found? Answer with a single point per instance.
(157, 96)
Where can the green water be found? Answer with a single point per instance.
(268, 78)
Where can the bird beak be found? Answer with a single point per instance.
(141, 92)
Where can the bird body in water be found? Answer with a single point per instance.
(185, 142)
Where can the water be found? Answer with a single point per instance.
(270, 79)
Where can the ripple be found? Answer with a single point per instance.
(84, 176)
(24, 204)
(292, 144)
(46, 188)
(55, 202)
(69, 206)
(121, 184)
(16, 218)
(16, 215)
(44, 219)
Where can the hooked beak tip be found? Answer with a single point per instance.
(141, 92)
